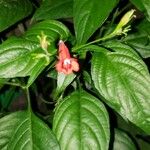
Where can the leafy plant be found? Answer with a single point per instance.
(77, 72)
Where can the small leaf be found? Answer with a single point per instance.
(90, 15)
(16, 59)
(52, 29)
(23, 130)
(13, 11)
(122, 78)
(57, 9)
(81, 122)
(64, 80)
(122, 141)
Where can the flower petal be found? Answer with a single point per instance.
(74, 64)
(63, 51)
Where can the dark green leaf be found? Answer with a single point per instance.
(2, 82)
(138, 4)
(38, 68)
(122, 78)
(81, 122)
(8, 96)
(13, 11)
(122, 141)
(144, 26)
(52, 29)
(143, 5)
(89, 15)
(54, 9)
(16, 59)
(146, 4)
(23, 130)
(140, 40)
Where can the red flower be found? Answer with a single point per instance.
(65, 63)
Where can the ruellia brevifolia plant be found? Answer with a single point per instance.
(74, 74)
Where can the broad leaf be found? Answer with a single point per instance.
(81, 122)
(123, 141)
(52, 29)
(13, 11)
(23, 130)
(54, 9)
(17, 59)
(90, 15)
(122, 78)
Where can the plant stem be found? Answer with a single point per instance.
(96, 41)
(28, 98)
(13, 84)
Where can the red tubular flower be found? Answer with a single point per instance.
(65, 63)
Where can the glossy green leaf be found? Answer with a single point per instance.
(54, 30)
(17, 59)
(123, 141)
(122, 78)
(38, 68)
(23, 130)
(12, 11)
(54, 9)
(89, 16)
(81, 122)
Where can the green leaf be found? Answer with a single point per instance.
(16, 58)
(23, 130)
(57, 9)
(38, 68)
(146, 4)
(122, 78)
(143, 5)
(89, 16)
(2, 82)
(81, 122)
(52, 29)
(13, 11)
(123, 141)
(138, 4)
(64, 80)
(140, 40)
(8, 96)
